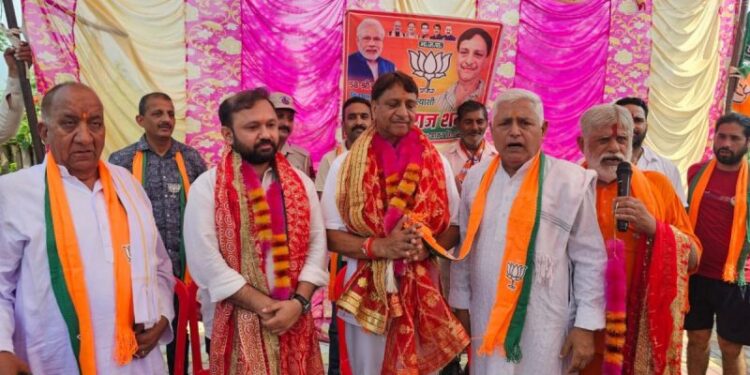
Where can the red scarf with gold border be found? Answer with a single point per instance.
(240, 344)
(422, 333)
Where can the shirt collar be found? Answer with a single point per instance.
(142, 145)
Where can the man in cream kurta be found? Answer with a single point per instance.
(32, 327)
(562, 303)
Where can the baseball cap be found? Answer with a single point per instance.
(282, 101)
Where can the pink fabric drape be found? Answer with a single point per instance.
(49, 24)
(506, 12)
(212, 37)
(295, 47)
(562, 56)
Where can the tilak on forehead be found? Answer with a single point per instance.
(617, 122)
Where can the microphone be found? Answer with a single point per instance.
(623, 189)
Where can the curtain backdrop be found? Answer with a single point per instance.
(562, 56)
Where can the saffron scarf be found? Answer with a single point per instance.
(140, 166)
(644, 321)
(508, 313)
(378, 184)
(336, 263)
(67, 271)
(247, 228)
(739, 243)
(474, 158)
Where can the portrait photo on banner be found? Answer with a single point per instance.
(450, 59)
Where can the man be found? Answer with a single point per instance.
(718, 212)
(285, 112)
(256, 242)
(542, 211)
(388, 191)
(449, 34)
(396, 32)
(424, 29)
(165, 168)
(357, 117)
(85, 281)
(470, 147)
(11, 109)
(649, 259)
(411, 31)
(367, 64)
(645, 158)
(474, 47)
(436, 32)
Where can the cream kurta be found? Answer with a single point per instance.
(568, 240)
(31, 324)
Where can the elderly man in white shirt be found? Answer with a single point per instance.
(85, 281)
(645, 158)
(11, 109)
(531, 290)
(255, 241)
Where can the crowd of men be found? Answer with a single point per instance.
(531, 264)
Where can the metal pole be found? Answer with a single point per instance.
(739, 37)
(28, 98)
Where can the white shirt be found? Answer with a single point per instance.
(208, 268)
(31, 324)
(334, 221)
(569, 263)
(651, 161)
(10, 115)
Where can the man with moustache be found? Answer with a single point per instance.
(436, 32)
(367, 64)
(424, 31)
(648, 264)
(474, 47)
(285, 112)
(396, 32)
(449, 34)
(85, 282)
(256, 242)
(357, 117)
(165, 168)
(385, 196)
(530, 289)
(645, 158)
(718, 211)
(470, 147)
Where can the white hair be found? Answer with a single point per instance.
(370, 22)
(515, 95)
(606, 115)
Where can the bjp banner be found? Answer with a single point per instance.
(741, 97)
(451, 60)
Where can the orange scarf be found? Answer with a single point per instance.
(507, 317)
(69, 257)
(734, 266)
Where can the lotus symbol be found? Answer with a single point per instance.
(429, 66)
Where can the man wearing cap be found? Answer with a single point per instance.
(285, 111)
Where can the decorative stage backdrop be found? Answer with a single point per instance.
(574, 53)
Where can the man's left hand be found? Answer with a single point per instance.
(579, 344)
(635, 212)
(148, 339)
(285, 314)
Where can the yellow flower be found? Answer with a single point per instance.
(230, 46)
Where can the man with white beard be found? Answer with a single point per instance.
(648, 260)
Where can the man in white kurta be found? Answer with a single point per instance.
(567, 284)
(31, 324)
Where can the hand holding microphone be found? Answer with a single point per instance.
(630, 211)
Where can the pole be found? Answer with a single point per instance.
(28, 98)
(737, 52)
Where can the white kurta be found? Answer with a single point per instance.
(31, 324)
(366, 350)
(568, 280)
(208, 268)
(651, 161)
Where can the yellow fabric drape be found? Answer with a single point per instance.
(684, 73)
(451, 8)
(128, 49)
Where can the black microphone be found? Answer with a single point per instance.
(623, 189)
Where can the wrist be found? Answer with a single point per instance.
(370, 250)
(303, 302)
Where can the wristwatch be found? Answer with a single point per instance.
(304, 301)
